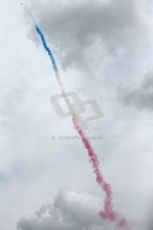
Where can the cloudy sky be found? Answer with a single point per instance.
(104, 49)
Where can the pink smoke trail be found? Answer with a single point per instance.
(107, 212)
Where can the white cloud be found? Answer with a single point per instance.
(69, 211)
(114, 40)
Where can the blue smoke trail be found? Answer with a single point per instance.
(48, 50)
(42, 37)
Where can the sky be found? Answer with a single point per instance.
(104, 52)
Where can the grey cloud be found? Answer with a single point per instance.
(141, 97)
(70, 211)
(73, 28)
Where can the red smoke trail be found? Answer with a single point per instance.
(107, 213)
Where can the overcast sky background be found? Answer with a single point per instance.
(104, 49)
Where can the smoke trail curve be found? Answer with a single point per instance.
(107, 212)
(48, 50)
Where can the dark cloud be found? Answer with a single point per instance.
(141, 97)
(72, 28)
